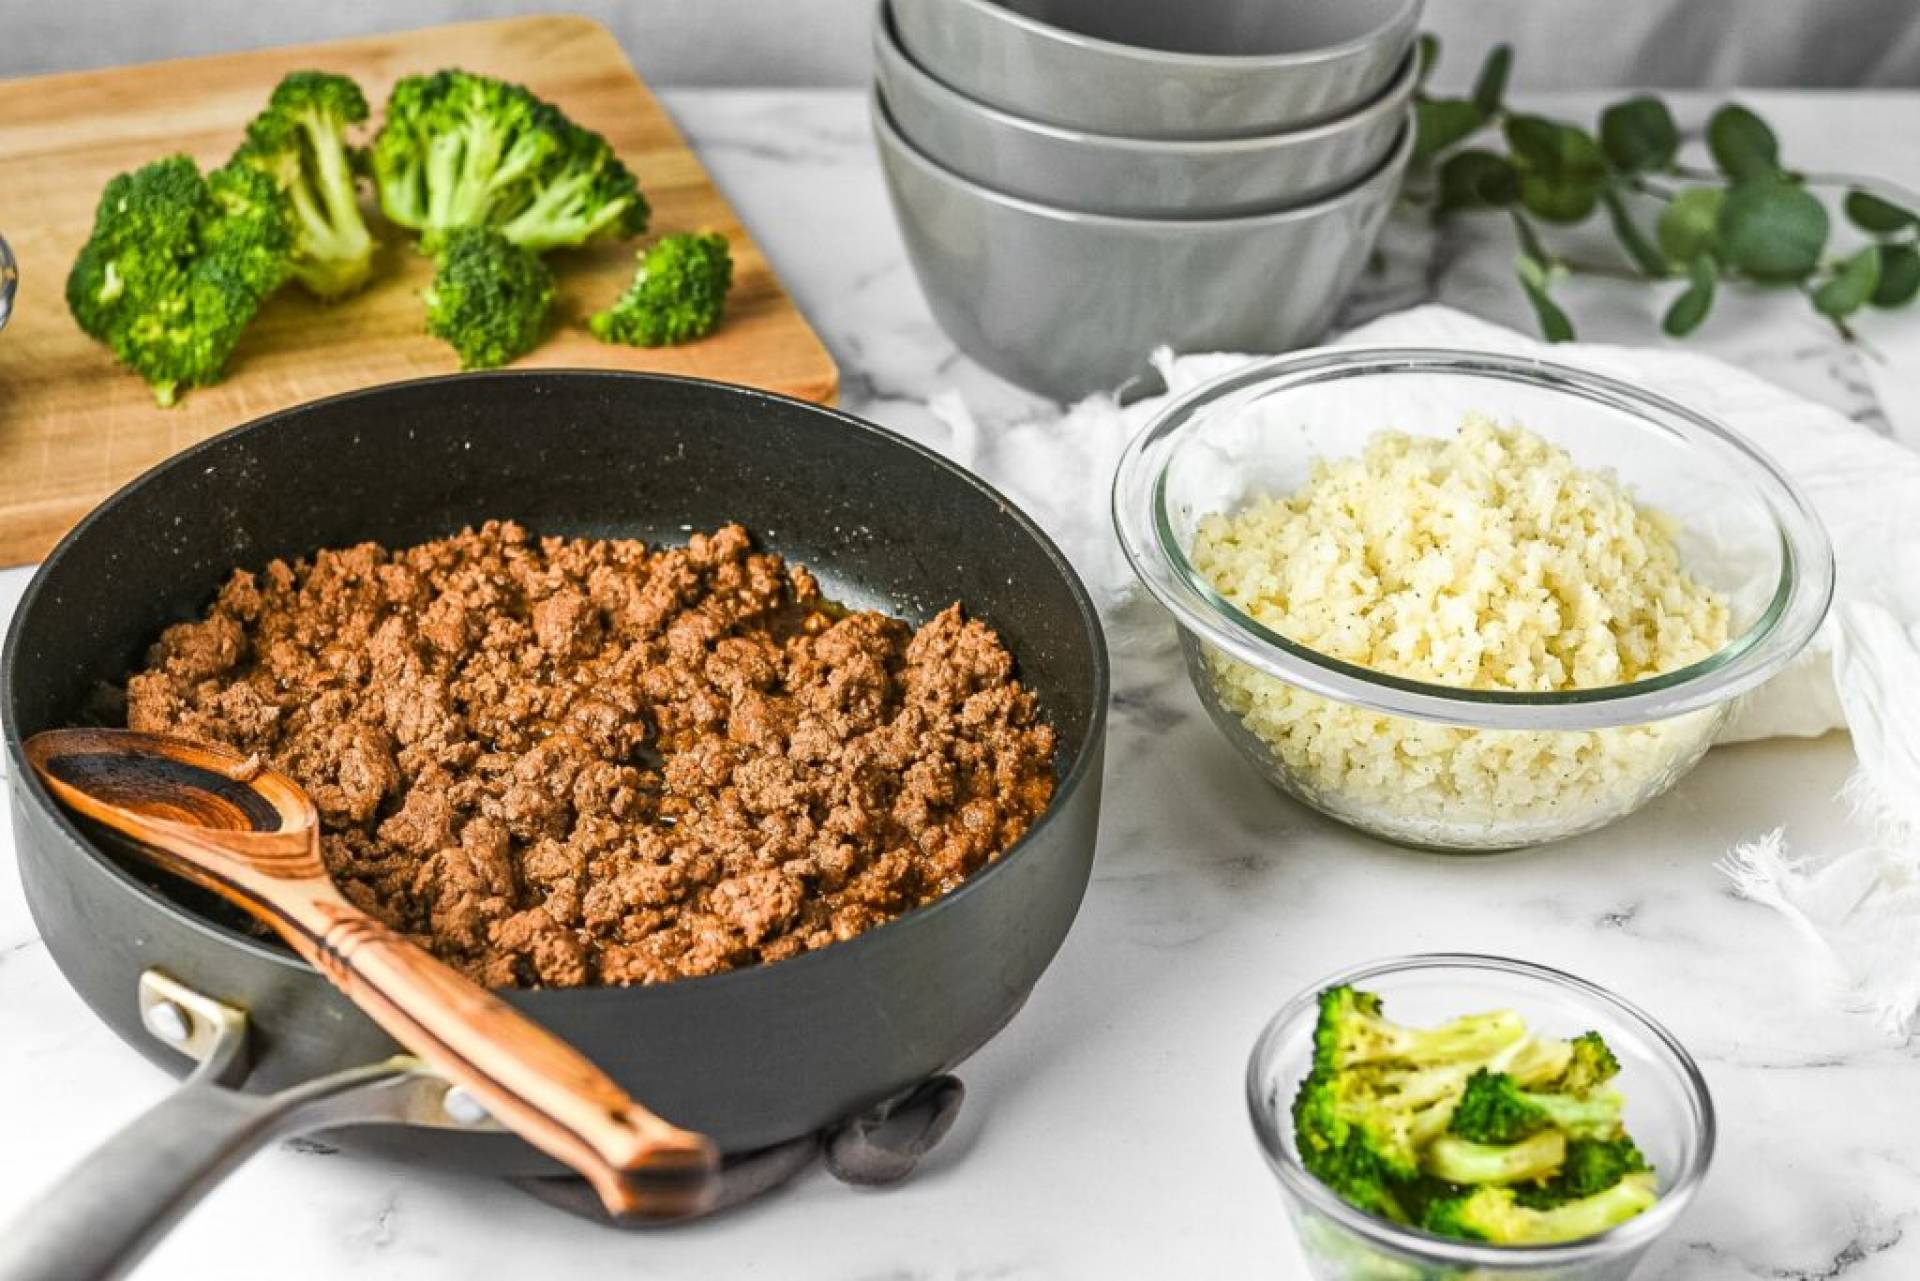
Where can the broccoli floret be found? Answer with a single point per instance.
(677, 294)
(1494, 1109)
(1592, 1165)
(146, 225)
(176, 267)
(488, 299)
(1494, 1215)
(300, 142)
(1379, 1093)
(1591, 1065)
(463, 150)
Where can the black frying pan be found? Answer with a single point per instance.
(754, 1058)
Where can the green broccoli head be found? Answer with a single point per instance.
(677, 295)
(300, 142)
(1344, 1156)
(584, 194)
(1380, 1093)
(489, 298)
(1592, 1065)
(147, 224)
(1496, 1216)
(1592, 1165)
(176, 267)
(397, 159)
(1494, 1109)
(252, 234)
(463, 150)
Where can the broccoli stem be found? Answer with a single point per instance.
(1459, 1160)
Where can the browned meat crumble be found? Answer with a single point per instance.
(567, 761)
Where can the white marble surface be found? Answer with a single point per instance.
(1104, 1135)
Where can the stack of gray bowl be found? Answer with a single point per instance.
(1080, 181)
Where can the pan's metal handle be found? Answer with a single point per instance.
(99, 1220)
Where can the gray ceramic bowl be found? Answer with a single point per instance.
(1163, 68)
(1069, 303)
(1137, 178)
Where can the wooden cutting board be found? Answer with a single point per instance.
(74, 426)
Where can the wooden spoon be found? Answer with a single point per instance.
(251, 834)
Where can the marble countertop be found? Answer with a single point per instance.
(1104, 1134)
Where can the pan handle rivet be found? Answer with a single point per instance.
(168, 1022)
(462, 1108)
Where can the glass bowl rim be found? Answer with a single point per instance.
(1636, 1233)
(1799, 603)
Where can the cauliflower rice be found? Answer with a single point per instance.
(1487, 560)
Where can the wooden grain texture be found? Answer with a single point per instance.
(74, 426)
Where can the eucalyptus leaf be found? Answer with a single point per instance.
(1851, 284)
(1554, 325)
(1690, 224)
(1438, 123)
(1632, 239)
(1558, 201)
(1490, 87)
(1561, 167)
(1694, 302)
(1899, 276)
(1742, 144)
(1772, 229)
(1535, 140)
(1477, 179)
(1639, 134)
(1872, 213)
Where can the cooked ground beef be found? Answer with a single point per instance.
(568, 761)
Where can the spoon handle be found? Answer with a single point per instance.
(532, 1081)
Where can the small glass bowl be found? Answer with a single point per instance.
(1438, 766)
(1668, 1112)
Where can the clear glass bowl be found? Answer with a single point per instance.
(1438, 766)
(1668, 1112)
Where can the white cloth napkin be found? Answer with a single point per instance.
(1862, 908)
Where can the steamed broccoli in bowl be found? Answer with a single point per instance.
(1477, 1129)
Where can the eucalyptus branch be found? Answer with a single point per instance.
(1649, 187)
(1887, 190)
(1603, 270)
(1748, 219)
